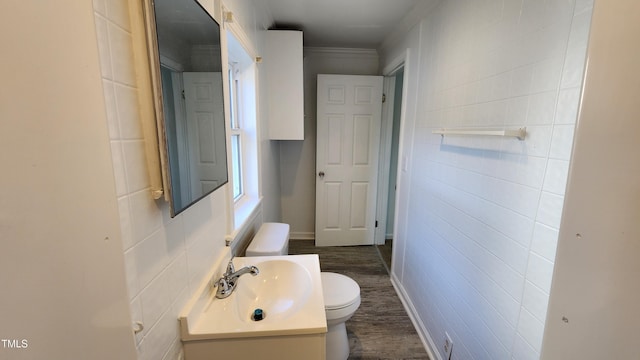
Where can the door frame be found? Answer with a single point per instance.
(384, 157)
(380, 232)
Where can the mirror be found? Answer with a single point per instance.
(186, 71)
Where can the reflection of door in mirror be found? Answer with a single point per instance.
(205, 119)
(175, 129)
(193, 117)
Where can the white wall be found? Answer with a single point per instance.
(166, 259)
(478, 218)
(595, 283)
(298, 158)
(61, 264)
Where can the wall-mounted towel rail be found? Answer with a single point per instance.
(517, 133)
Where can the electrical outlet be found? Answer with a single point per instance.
(448, 345)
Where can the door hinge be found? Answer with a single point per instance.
(384, 98)
(376, 223)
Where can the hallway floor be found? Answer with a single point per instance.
(386, 252)
(381, 328)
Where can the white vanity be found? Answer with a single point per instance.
(287, 291)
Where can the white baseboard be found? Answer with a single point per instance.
(302, 236)
(427, 340)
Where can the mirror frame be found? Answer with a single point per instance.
(153, 54)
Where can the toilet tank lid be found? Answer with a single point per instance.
(271, 237)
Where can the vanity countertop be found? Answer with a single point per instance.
(288, 290)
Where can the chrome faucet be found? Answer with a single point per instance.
(227, 283)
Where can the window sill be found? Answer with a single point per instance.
(243, 211)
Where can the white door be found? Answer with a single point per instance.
(349, 113)
(205, 118)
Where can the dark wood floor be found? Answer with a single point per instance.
(380, 328)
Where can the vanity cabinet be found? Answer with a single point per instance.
(283, 63)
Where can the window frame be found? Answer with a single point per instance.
(241, 60)
(236, 131)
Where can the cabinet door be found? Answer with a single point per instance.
(285, 83)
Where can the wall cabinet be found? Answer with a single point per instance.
(283, 63)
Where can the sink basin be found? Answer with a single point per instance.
(280, 289)
(288, 289)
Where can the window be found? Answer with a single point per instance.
(236, 133)
(243, 135)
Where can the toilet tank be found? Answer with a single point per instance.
(272, 239)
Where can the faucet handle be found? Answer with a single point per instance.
(230, 268)
(224, 288)
(223, 284)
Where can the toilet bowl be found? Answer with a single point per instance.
(341, 300)
(341, 293)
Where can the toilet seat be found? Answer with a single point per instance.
(341, 295)
(339, 291)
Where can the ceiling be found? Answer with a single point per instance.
(340, 23)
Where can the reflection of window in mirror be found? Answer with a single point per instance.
(244, 145)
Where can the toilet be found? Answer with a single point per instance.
(341, 300)
(341, 293)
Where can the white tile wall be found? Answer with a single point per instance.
(544, 241)
(523, 351)
(165, 259)
(534, 300)
(484, 213)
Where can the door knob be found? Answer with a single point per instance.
(321, 174)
